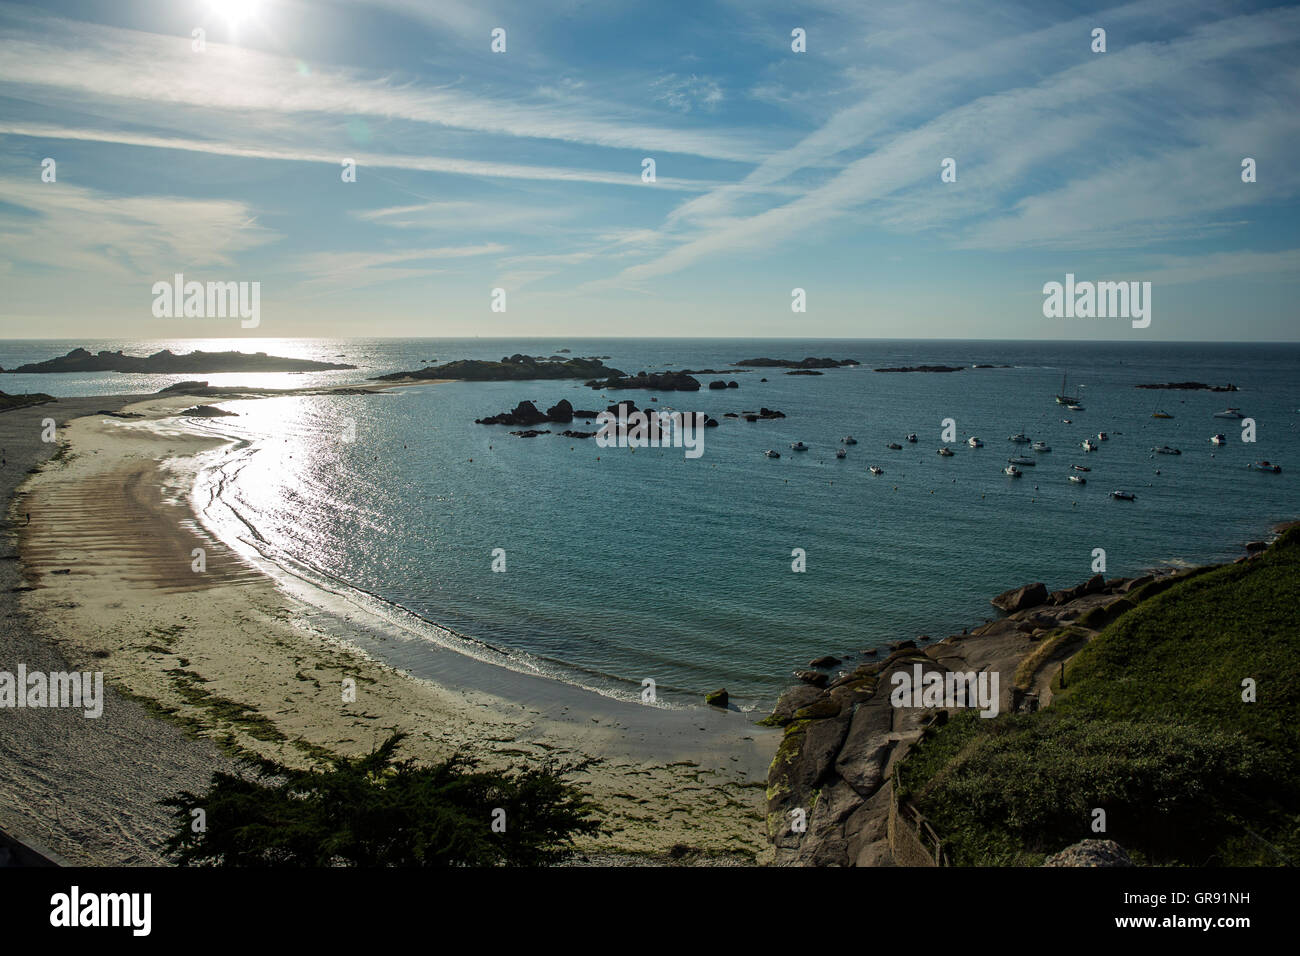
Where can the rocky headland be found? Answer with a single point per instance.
(168, 362)
(844, 737)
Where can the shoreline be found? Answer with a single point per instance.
(226, 657)
(236, 656)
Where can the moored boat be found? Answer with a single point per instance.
(946, 452)
(1012, 471)
(1123, 496)
(974, 442)
(1081, 468)
(1229, 413)
(1041, 446)
(1219, 439)
(1020, 438)
(1265, 466)
(841, 453)
(876, 470)
(1166, 450)
(1089, 445)
(894, 446)
(848, 440)
(1022, 460)
(1079, 479)
(771, 453)
(798, 446)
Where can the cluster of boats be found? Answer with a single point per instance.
(1015, 463)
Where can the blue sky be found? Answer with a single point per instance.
(522, 170)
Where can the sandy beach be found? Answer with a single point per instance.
(245, 660)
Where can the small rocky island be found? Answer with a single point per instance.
(563, 412)
(808, 363)
(511, 368)
(1193, 387)
(923, 368)
(168, 362)
(656, 381)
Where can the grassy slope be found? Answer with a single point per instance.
(1151, 727)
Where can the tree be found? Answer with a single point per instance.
(375, 810)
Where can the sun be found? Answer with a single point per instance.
(234, 11)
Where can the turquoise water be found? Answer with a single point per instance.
(626, 565)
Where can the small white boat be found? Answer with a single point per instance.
(1219, 439)
(848, 440)
(1265, 466)
(1089, 445)
(1123, 496)
(894, 446)
(1159, 414)
(1022, 460)
(1042, 446)
(1067, 421)
(1075, 408)
(974, 442)
(1012, 471)
(1229, 413)
(798, 446)
(772, 453)
(876, 470)
(1020, 439)
(841, 453)
(1102, 436)
(1081, 468)
(912, 438)
(1166, 450)
(946, 452)
(1079, 479)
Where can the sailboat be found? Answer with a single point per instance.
(1063, 398)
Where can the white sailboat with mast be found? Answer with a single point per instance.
(1064, 398)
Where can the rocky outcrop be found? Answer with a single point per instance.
(1193, 387)
(923, 368)
(206, 411)
(525, 413)
(19, 401)
(1091, 853)
(808, 363)
(168, 362)
(1017, 599)
(718, 698)
(511, 368)
(762, 415)
(833, 770)
(657, 381)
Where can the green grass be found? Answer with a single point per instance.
(1151, 727)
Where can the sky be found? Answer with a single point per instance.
(218, 155)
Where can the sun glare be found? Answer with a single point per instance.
(234, 12)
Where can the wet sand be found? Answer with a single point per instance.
(259, 663)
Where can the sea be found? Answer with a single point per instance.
(617, 566)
